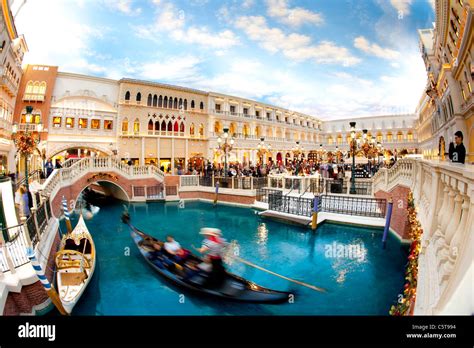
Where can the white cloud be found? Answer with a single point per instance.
(248, 3)
(172, 69)
(63, 41)
(363, 44)
(402, 6)
(123, 6)
(173, 22)
(294, 46)
(295, 17)
(432, 4)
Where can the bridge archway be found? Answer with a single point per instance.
(109, 188)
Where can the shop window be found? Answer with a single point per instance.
(82, 123)
(57, 122)
(69, 122)
(95, 123)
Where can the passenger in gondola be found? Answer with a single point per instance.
(174, 250)
(213, 247)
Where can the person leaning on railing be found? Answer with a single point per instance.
(457, 151)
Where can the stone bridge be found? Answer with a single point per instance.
(128, 183)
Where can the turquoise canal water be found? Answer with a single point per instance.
(364, 280)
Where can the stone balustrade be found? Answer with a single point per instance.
(444, 198)
(65, 176)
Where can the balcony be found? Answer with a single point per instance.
(33, 97)
(8, 85)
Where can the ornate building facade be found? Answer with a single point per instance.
(12, 50)
(173, 127)
(447, 105)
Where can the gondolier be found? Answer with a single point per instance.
(213, 247)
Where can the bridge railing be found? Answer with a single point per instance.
(347, 205)
(92, 164)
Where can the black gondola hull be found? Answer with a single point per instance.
(233, 287)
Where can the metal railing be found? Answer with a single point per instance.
(262, 194)
(348, 205)
(171, 190)
(18, 238)
(154, 192)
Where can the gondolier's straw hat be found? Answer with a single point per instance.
(208, 231)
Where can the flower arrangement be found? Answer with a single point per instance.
(407, 299)
(25, 142)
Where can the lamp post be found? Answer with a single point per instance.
(353, 148)
(320, 152)
(262, 150)
(26, 141)
(297, 150)
(226, 147)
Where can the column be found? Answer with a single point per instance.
(172, 155)
(142, 152)
(186, 156)
(158, 151)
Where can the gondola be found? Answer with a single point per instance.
(75, 264)
(232, 287)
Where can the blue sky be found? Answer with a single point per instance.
(328, 58)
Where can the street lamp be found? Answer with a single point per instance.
(226, 147)
(353, 148)
(297, 150)
(320, 152)
(262, 149)
(25, 141)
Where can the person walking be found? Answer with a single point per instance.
(48, 167)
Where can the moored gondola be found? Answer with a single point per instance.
(232, 287)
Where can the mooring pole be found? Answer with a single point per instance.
(53, 295)
(388, 217)
(314, 221)
(66, 216)
(217, 192)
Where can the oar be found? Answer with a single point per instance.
(278, 275)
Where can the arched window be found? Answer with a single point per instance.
(191, 129)
(36, 88)
(29, 87)
(180, 103)
(155, 100)
(163, 126)
(165, 102)
(192, 104)
(160, 101)
(201, 106)
(450, 104)
(181, 127)
(136, 126)
(175, 103)
(170, 126)
(125, 125)
(157, 126)
(185, 104)
(170, 103)
(150, 125)
(176, 126)
(127, 95)
(42, 88)
(201, 130)
(149, 100)
(217, 127)
(139, 97)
